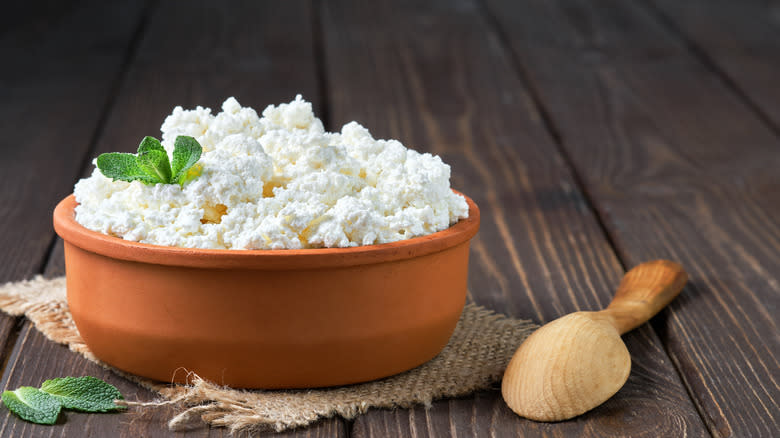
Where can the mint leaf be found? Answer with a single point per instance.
(32, 404)
(151, 164)
(124, 167)
(186, 152)
(86, 394)
(150, 144)
(155, 164)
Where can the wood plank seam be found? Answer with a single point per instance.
(701, 55)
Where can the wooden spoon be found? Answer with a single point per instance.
(577, 362)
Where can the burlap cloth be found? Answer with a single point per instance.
(475, 358)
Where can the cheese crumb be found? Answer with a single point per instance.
(277, 182)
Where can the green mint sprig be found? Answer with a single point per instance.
(43, 406)
(151, 165)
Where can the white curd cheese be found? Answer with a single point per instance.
(277, 182)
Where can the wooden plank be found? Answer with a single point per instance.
(434, 75)
(741, 38)
(54, 83)
(199, 55)
(678, 167)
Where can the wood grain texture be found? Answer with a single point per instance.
(54, 85)
(194, 55)
(435, 76)
(678, 168)
(741, 38)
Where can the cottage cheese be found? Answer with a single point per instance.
(274, 182)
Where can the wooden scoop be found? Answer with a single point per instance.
(577, 362)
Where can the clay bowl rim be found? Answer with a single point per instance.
(282, 259)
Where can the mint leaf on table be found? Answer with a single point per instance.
(151, 164)
(32, 404)
(87, 394)
(43, 406)
(186, 152)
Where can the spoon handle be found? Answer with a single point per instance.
(643, 292)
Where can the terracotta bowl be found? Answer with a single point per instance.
(265, 319)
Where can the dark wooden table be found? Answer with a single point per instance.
(594, 136)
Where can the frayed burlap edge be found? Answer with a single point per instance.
(474, 359)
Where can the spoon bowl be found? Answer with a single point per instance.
(592, 368)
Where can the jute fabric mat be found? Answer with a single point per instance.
(474, 359)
